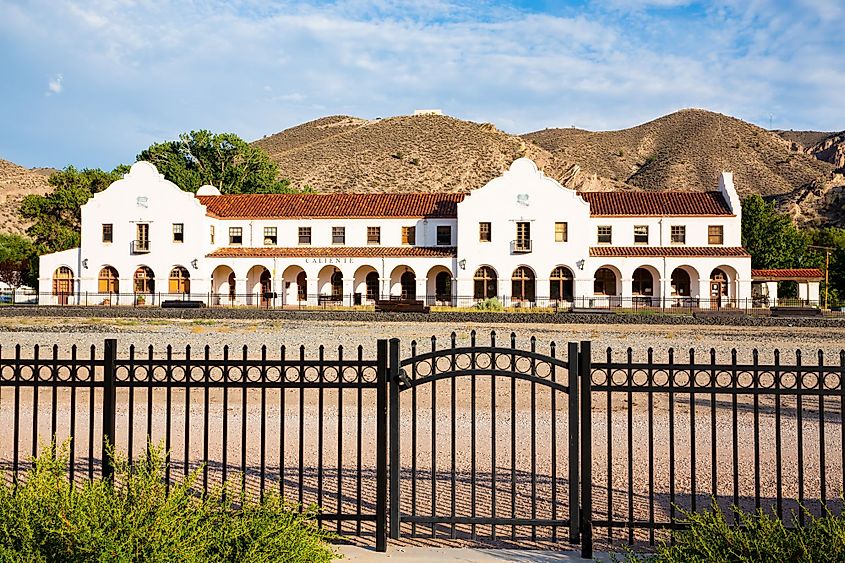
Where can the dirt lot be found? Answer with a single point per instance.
(503, 457)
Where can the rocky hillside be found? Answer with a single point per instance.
(404, 154)
(685, 150)
(15, 183)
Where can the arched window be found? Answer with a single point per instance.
(642, 282)
(373, 291)
(522, 284)
(605, 282)
(180, 280)
(443, 287)
(144, 280)
(337, 285)
(107, 281)
(485, 283)
(301, 287)
(680, 283)
(408, 283)
(560, 284)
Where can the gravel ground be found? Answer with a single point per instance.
(505, 480)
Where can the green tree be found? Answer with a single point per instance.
(833, 238)
(56, 217)
(223, 160)
(771, 237)
(18, 261)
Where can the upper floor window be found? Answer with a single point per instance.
(444, 235)
(605, 234)
(485, 232)
(338, 235)
(409, 235)
(641, 234)
(561, 232)
(236, 235)
(373, 235)
(211, 234)
(271, 236)
(108, 232)
(178, 232)
(716, 234)
(678, 234)
(304, 235)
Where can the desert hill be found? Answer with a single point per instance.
(684, 150)
(428, 153)
(17, 182)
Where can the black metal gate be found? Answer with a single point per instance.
(484, 441)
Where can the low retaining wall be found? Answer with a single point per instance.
(437, 317)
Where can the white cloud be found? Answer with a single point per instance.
(256, 67)
(54, 86)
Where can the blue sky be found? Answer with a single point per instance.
(92, 83)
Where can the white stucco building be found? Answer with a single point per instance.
(522, 238)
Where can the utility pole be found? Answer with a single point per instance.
(827, 250)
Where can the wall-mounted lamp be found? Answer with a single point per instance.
(462, 264)
(194, 264)
(85, 263)
(580, 264)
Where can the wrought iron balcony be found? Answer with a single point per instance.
(521, 246)
(140, 246)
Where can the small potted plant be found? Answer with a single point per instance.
(141, 299)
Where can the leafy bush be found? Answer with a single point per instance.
(759, 537)
(45, 518)
(489, 304)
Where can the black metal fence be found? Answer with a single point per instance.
(486, 442)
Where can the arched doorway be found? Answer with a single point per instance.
(337, 285)
(681, 283)
(485, 283)
(223, 284)
(718, 288)
(408, 286)
(372, 285)
(561, 284)
(604, 282)
(179, 281)
(443, 287)
(266, 284)
(642, 286)
(107, 280)
(258, 286)
(523, 285)
(301, 286)
(63, 283)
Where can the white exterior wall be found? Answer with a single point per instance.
(523, 193)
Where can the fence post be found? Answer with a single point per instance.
(381, 446)
(109, 356)
(574, 462)
(584, 367)
(393, 382)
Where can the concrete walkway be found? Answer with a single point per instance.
(460, 555)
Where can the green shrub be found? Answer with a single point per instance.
(759, 537)
(45, 518)
(489, 304)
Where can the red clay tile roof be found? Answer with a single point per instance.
(656, 203)
(335, 252)
(788, 273)
(278, 206)
(674, 251)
